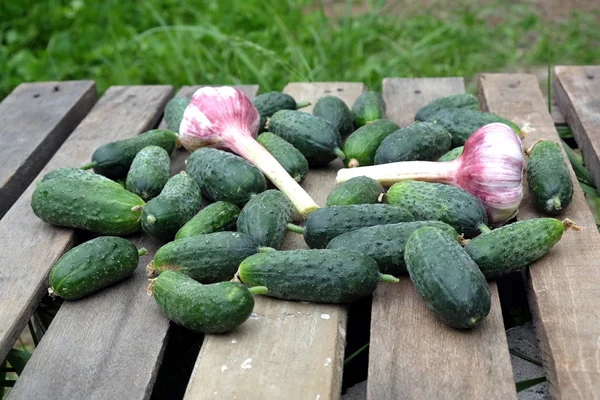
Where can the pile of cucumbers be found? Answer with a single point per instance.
(217, 257)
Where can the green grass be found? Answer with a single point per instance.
(272, 42)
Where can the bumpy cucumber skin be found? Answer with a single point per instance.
(265, 217)
(336, 112)
(368, 107)
(269, 103)
(438, 202)
(89, 202)
(216, 308)
(149, 172)
(174, 112)
(92, 266)
(362, 144)
(313, 136)
(548, 178)
(449, 281)
(178, 202)
(114, 159)
(325, 223)
(514, 246)
(216, 217)
(288, 156)
(452, 154)
(385, 243)
(462, 100)
(223, 176)
(357, 190)
(423, 141)
(206, 258)
(321, 276)
(71, 172)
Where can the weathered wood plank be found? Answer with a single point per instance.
(563, 285)
(28, 246)
(413, 355)
(36, 118)
(287, 350)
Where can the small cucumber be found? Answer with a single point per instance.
(174, 112)
(114, 159)
(149, 172)
(438, 202)
(71, 172)
(360, 147)
(336, 112)
(548, 177)
(216, 217)
(178, 202)
(452, 154)
(368, 107)
(223, 176)
(422, 141)
(462, 100)
(449, 281)
(269, 103)
(93, 265)
(321, 276)
(357, 190)
(288, 156)
(216, 308)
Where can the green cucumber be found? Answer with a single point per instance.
(114, 159)
(93, 265)
(269, 103)
(89, 202)
(449, 281)
(357, 190)
(265, 218)
(66, 172)
(149, 172)
(286, 154)
(462, 100)
(216, 308)
(422, 141)
(206, 258)
(336, 112)
(361, 145)
(548, 177)
(223, 176)
(174, 112)
(385, 243)
(322, 276)
(452, 154)
(317, 139)
(178, 202)
(368, 107)
(438, 202)
(216, 217)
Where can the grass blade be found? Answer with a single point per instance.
(357, 352)
(580, 171)
(18, 359)
(32, 332)
(526, 384)
(524, 357)
(564, 132)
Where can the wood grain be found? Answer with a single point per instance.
(36, 118)
(563, 285)
(413, 355)
(286, 350)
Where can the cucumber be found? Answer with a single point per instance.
(357, 190)
(423, 141)
(93, 265)
(462, 122)
(174, 112)
(385, 243)
(216, 308)
(449, 281)
(462, 100)
(216, 217)
(548, 177)
(206, 258)
(361, 145)
(114, 159)
(89, 202)
(321, 276)
(269, 103)
(66, 172)
(438, 202)
(317, 139)
(265, 218)
(368, 107)
(288, 156)
(178, 202)
(336, 112)
(223, 176)
(149, 172)
(452, 154)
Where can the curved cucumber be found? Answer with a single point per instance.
(149, 172)
(357, 190)
(361, 145)
(174, 112)
(452, 154)
(462, 100)
(269, 103)
(336, 112)
(368, 107)
(71, 172)
(423, 141)
(216, 217)
(288, 156)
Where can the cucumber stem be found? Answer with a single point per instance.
(338, 152)
(266, 249)
(388, 278)
(555, 203)
(258, 290)
(150, 289)
(483, 228)
(142, 251)
(151, 219)
(303, 104)
(353, 163)
(569, 224)
(295, 228)
(89, 165)
(150, 270)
